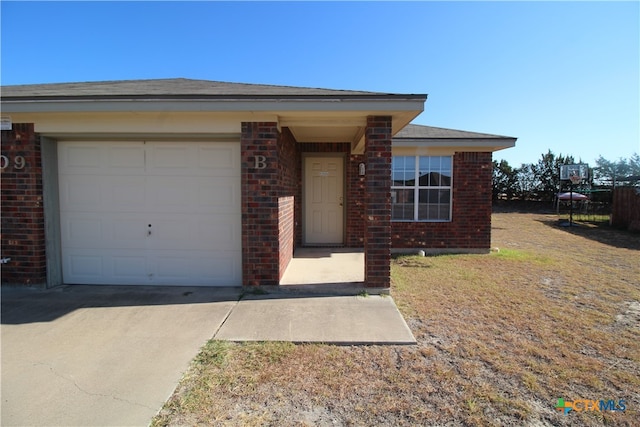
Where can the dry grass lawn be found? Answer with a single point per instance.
(554, 313)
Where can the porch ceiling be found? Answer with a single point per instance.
(346, 127)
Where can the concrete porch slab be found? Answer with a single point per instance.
(345, 320)
(324, 266)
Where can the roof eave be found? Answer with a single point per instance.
(490, 144)
(199, 103)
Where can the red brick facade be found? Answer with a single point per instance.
(272, 194)
(260, 207)
(470, 225)
(377, 202)
(355, 202)
(289, 160)
(23, 238)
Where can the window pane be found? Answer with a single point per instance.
(434, 205)
(434, 163)
(445, 163)
(423, 163)
(398, 178)
(402, 202)
(404, 170)
(397, 163)
(445, 179)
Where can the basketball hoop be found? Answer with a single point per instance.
(575, 179)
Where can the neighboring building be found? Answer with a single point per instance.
(192, 182)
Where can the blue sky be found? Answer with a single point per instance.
(558, 75)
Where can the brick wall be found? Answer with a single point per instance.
(22, 214)
(355, 202)
(470, 226)
(286, 233)
(260, 208)
(377, 236)
(289, 158)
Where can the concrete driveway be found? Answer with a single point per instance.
(101, 355)
(112, 355)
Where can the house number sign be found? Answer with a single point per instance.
(18, 162)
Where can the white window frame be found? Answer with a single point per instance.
(417, 187)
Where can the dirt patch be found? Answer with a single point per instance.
(554, 313)
(631, 316)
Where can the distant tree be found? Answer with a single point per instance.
(634, 164)
(505, 180)
(609, 172)
(525, 182)
(547, 175)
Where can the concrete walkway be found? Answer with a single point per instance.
(346, 320)
(111, 356)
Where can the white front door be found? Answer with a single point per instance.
(324, 201)
(156, 213)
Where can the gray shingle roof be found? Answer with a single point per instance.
(412, 131)
(174, 88)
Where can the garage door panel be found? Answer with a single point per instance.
(195, 232)
(150, 213)
(130, 268)
(172, 193)
(82, 194)
(110, 158)
(81, 158)
(165, 158)
(125, 194)
(128, 231)
(85, 265)
(195, 159)
(171, 233)
(224, 232)
(169, 157)
(87, 230)
(100, 193)
(106, 267)
(82, 229)
(126, 158)
(218, 160)
(194, 195)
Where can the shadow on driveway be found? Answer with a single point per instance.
(28, 305)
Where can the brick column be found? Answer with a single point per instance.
(260, 191)
(22, 216)
(377, 240)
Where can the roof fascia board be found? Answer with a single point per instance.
(324, 104)
(458, 145)
(505, 142)
(197, 97)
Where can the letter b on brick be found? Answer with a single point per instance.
(260, 162)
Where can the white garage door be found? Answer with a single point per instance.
(150, 213)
